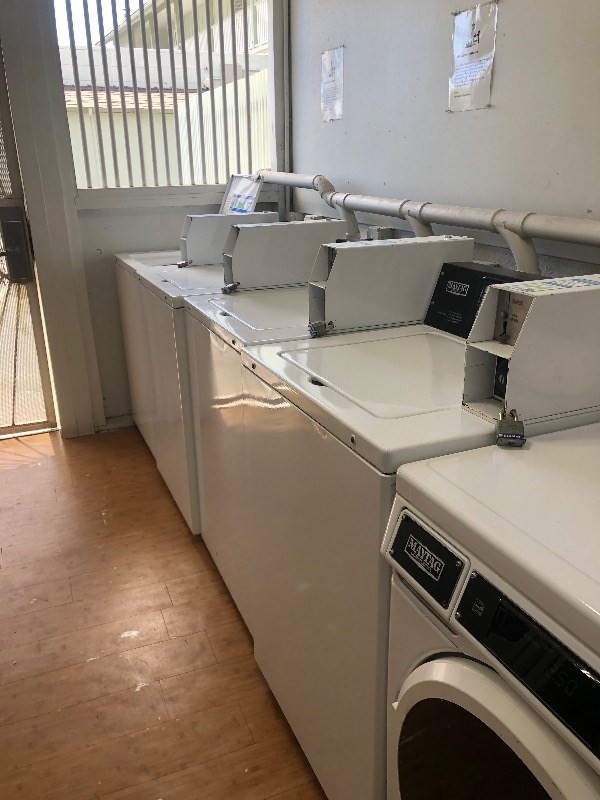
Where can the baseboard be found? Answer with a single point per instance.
(114, 423)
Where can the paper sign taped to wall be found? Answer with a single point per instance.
(474, 46)
(332, 84)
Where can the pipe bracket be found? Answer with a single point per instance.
(419, 227)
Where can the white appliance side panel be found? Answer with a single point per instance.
(197, 376)
(554, 368)
(181, 347)
(316, 513)
(170, 440)
(137, 353)
(127, 301)
(216, 385)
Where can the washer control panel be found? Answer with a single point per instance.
(459, 291)
(567, 686)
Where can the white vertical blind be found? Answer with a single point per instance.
(164, 92)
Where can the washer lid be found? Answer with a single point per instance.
(394, 395)
(367, 373)
(172, 284)
(252, 317)
(142, 263)
(530, 514)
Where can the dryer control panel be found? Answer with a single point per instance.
(567, 686)
(430, 563)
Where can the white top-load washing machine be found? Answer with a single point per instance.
(327, 423)
(151, 287)
(217, 330)
(494, 641)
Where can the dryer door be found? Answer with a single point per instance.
(461, 733)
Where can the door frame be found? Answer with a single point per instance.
(41, 131)
(16, 201)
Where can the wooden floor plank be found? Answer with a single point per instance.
(84, 560)
(262, 713)
(126, 672)
(62, 688)
(256, 772)
(78, 529)
(65, 730)
(36, 658)
(141, 570)
(126, 761)
(211, 686)
(211, 608)
(166, 532)
(107, 607)
(36, 597)
(230, 641)
(308, 791)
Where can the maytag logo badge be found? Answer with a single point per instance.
(424, 558)
(454, 287)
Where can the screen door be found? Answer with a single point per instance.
(26, 402)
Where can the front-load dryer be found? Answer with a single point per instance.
(494, 637)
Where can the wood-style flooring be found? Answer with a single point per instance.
(125, 669)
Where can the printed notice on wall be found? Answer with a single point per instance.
(332, 84)
(474, 45)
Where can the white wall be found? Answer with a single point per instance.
(92, 139)
(259, 114)
(535, 149)
(260, 130)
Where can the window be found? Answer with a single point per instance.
(165, 92)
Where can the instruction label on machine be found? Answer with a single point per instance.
(510, 315)
(241, 194)
(474, 46)
(552, 285)
(332, 84)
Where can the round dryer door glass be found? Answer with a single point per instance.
(446, 752)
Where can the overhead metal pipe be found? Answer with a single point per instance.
(320, 184)
(421, 216)
(516, 227)
(563, 229)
